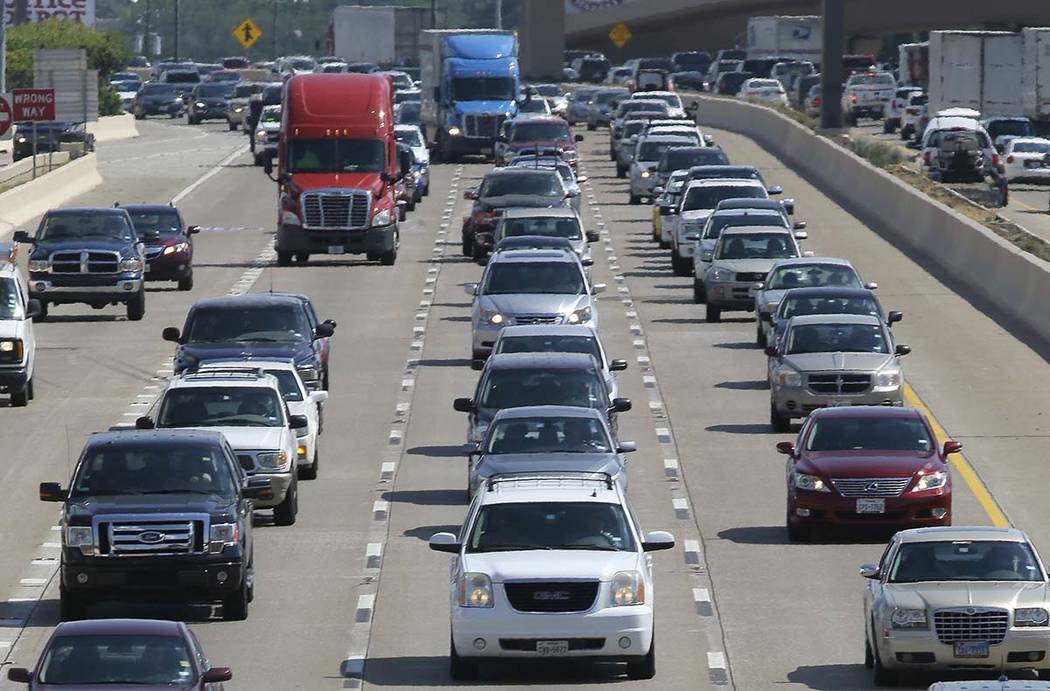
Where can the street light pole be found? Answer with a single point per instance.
(145, 32)
(499, 14)
(175, 42)
(274, 27)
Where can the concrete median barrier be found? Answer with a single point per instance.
(114, 127)
(22, 204)
(1010, 285)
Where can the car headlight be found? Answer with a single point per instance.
(274, 460)
(21, 140)
(1031, 616)
(133, 264)
(176, 248)
(475, 590)
(789, 379)
(720, 275)
(223, 535)
(238, 109)
(579, 316)
(80, 536)
(627, 588)
(811, 483)
(453, 131)
(37, 265)
(890, 379)
(772, 307)
(493, 317)
(931, 481)
(260, 134)
(644, 174)
(201, 104)
(909, 619)
(11, 348)
(383, 217)
(289, 218)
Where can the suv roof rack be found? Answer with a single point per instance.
(224, 373)
(580, 476)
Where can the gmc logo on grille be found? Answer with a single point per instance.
(548, 595)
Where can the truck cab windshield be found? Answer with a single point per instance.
(336, 156)
(483, 89)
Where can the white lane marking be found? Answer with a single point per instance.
(380, 510)
(716, 660)
(407, 384)
(643, 360)
(365, 605)
(692, 552)
(671, 467)
(387, 469)
(209, 175)
(32, 582)
(395, 437)
(681, 507)
(373, 555)
(402, 409)
(649, 381)
(701, 595)
(663, 435)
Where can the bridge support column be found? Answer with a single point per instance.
(831, 65)
(542, 39)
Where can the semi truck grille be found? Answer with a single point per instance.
(839, 383)
(87, 262)
(482, 125)
(336, 210)
(871, 487)
(971, 624)
(149, 536)
(569, 596)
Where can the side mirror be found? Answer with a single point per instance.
(444, 542)
(471, 449)
(801, 235)
(658, 190)
(297, 421)
(871, 286)
(808, 253)
(692, 107)
(578, 138)
(477, 365)
(324, 330)
(627, 447)
(620, 405)
(318, 396)
(617, 365)
(799, 225)
(893, 317)
(789, 206)
(587, 261)
(592, 236)
(902, 350)
(775, 189)
(869, 571)
(33, 308)
(952, 446)
(786, 447)
(217, 674)
(470, 288)
(144, 422)
(258, 488)
(23, 237)
(193, 230)
(666, 210)
(463, 405)
(706, 255)
(170, 334)
(657, 540)
(772, 351)
(52, 491)
(470, 194)
(709, 140)
(20, 675)
(597, 288)
(766, 317)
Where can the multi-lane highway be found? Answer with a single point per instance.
(353, 580)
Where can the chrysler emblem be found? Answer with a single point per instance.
(151, 537)
(971, 611)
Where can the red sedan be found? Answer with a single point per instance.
(867, 465)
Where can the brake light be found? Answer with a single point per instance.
(912, 111)
(853, 98)
(1010, 159)
(816, 100)
(995, 159)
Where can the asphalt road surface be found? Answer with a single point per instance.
(350, 596)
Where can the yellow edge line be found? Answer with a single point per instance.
(960, 464)
(1026, 205)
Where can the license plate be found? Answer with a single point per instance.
(871, 506)
(839, 403)
(336, 249)
(971, 648)
(552, 647)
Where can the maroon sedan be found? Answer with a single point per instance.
(867, 465)
(133, 654)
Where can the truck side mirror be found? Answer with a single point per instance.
(144, 422)
(52, 491)
(22, 237)
(170, 334)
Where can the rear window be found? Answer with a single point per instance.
(881, 79)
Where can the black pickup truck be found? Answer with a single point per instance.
(158, 514)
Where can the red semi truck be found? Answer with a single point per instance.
(337, 168)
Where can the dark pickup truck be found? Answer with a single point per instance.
(90, 256)
(158, 514)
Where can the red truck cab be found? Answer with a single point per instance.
(338, 168)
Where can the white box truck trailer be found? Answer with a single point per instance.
(976, 69)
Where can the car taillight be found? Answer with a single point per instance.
(912, 111)
(853, 98)
(817, 101)
(1009, 159)
(995, 159)
(926, 158)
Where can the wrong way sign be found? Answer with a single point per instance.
(33, 105)
(5, 116)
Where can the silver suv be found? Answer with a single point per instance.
(741, 259)
(833, 360)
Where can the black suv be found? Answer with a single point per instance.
(258, 325)
(208, 101)
(155, 98)
(89, 256)
(168, 242)
(157, 514)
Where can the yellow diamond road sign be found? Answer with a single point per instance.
(620, 35)
(247, 33)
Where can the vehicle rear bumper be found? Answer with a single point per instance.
(922, 651)
(375, 240)
(731, 296)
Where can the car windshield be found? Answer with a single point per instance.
(677, 159)
(540, 131)
(10, 304)
(514, 388)
(244, 90)
(707, 197)
(336, 155)
(550, 344)
(548, 435)
(717, 223)
(880, 79)
(836, 338)
(409, 113)
(533, 105)
(652, 151)
(182, 77)
(756, 246)
(606, 97)
(549, 90)
(262, 324)
(965, 560)
(1031, 148)
(638, 106)
(107, 226)
(302, 64)
(134, 659)
(221, 90)
(172, 467)
(410, 137)
(591, 526)
(483, 89)
(1018, 128)
(869, 434)
(632, 127)
(568, 228)
(221, 406)
(407, 96)
(158, 90)
(794, 306)
(582, 95)
(271, 114)
(156, 223)
(128, 85)
(559, 278)
(813, 276)
(540, 183)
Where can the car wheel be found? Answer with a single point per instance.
(388, 258)
(713, 314)
(284, 258)
(591, 126)
(235, 605)
(32, 393)
(869, 659)
(680, 266)
(797, 533)
(285, 512)
(302, 257)
(459, 668)
(760, 337)
(887, 126)
(612, 155)
(621, 172)
(43, 312)
(309, 472)
(698, 292)
(778, 422)
(468, 245)
(186, 282)
(426, 188)
(140, 116)
(646, 667)
(232, 126)
(259, 159)
(402, 212)
(136, 307)
(634, 199)
(879, 674)
(905, 133)
(20, 399)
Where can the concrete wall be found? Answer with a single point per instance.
(542, 39)
(1011, 286)
(113, 128)
(27, 201)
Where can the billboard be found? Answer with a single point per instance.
(82, 11)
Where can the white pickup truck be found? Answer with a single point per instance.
(866, 94)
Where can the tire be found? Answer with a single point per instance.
(591, 127)
(43, 312)
(699, 295)
(778, 422)
(468, 245)
(798, 533)
(285, 512)
(680, 266)
(71, 607)
(713, 315)
(235, 605)
(459, 668)
(186, 282)
(612, 155)
(646, 667)
(905, 133)
(887, 126)
(402, 212)
(284, 258)
(621, 172)
(388, 258)
(302, 257)
(232, 126)
(310, 472)
(139, 116)
(136, 307)
(869, 659)
(426, 189)
(879, 674)
(30, 389)
(258, 160)
(634, 199)
(411, 206)
(760, 338)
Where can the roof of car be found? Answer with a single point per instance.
(156, 436)
(750, 204)
(548, 119)
(941, 122)
(127, 627)
(547, 411)
(519, 170)
(248, 300)
(535, 255)
(956, 533)
(149, 207)
(529, 212)
(547, 330)
(241, 362)
(650, 93)
(405, 128)
(1029, 140)
(80, 210)
(872, 411)
(725, 182)
(730, 231)
(806, 261)
(239, 379)
(828, 291)
(807, 319)
(991, 685)
(671, 138)
(541, 361)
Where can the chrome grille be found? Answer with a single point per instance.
(871, 487)
(971, 624)
(86, 262)
(838, 383)
(336, 210)
(750, 276)
(152, 252)
(537, 319)
(151, 534)
(547, 596)
(482, 124)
